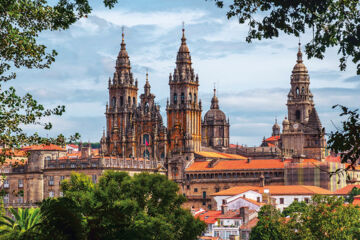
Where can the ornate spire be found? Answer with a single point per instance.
(183, 56)
(147, 84)
(299, 54)
(123, 62)
(214, 101)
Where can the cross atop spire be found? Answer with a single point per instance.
(299, 54)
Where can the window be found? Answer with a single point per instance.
(51, 180)
(73, 165)
(47, 158)
(209, 206)
(296, 199)
(113, 102)
(129, 101)
(6, 183)
(146, 154)
(146, 139)
(195, 189)
(190, 97)
(297, 92)
(297, 114)
(62, 165)
(306, 200)
(94, 177)
(121, 101)
(62, 178)
(134, 101)
(6, 198)
(194, 97)
(51, 194)
(20, 200)
(302, 90)
(175, 98)
(281, 200)
(204, 203)
(204, 194)
(217, 189)
(182, 98)
(20, 183)
(187, 187)
(258, 199)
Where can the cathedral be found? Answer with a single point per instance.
(135, 128)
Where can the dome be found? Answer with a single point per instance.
(299, 66)
(276, 126)
(215, 115)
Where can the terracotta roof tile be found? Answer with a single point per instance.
(272, 138)
(220, 155)
(237, 164)
(276, 190)
(345, 190)
(249, 225)
(209, 217)
(50, 147)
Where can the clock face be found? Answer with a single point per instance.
(296, 125)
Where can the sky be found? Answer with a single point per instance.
(252, 79)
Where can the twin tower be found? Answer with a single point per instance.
(136, 130)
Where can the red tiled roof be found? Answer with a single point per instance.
(237, 164)
(209, 238)
(276, 190)
(345, 190)
(272, 138)
(333, 159)
(249, 225)
(231, 214)
(209, 217)
(72, 145)
(44, 147)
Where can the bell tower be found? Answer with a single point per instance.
(302, 133)
(184, 108)
(120, 112)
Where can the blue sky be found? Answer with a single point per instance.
(252, 79)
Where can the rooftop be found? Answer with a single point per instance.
(345, 190)
(276, 190)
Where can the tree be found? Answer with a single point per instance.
(325, 217)
(270, 225)
(354, 192)
(346, 140)
(145, 206)
(331, 23)
(294, 207)
(23, 226)
(20, 25)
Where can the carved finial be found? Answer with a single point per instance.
(122, 33)
(214, 89)
(299, 54)
(147, 74)
(183, 32)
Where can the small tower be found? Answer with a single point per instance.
(276, 129)
(215, 127)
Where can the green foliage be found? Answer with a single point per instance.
(22, 225)
(270, 225)
(145, 206)
(331, 22)
(346, 140)
(294, 207)
(325, 217)
(354, 192)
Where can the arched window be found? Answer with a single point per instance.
(129, 101)
(302, 90)
(130, 155)
(162, 156)
(121, 101)
(175, 98)
(297, 114)
(146, 154)
(47, 158)
(134, 101)
(146, 139)
(190, 97)
(182, 98)
(146, 106)
(113, 102)
(297, 92)
(194, 97)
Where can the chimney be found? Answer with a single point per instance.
(262, 180)
(244, 214)
(248, 160)
(224, 209)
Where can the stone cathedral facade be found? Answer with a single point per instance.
(135, 128)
